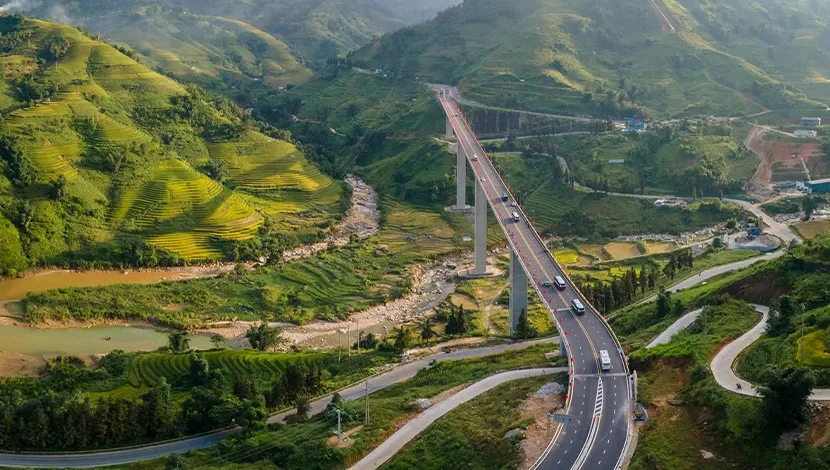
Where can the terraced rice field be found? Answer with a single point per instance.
(53, 161)
(147, 370)
(181, 210)
(109, 133)
(272, 164)
(428, 232)
(619, 251)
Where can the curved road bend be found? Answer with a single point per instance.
(410, 430)
(599, 403)
(722, 363)
(119, 457)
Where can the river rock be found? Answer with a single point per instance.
(515, 434)
(418, 404)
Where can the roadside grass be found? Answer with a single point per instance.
(303, 446)
(637, 325)
(673, 437)
(489, 301)
(812, 228)
(472, 435)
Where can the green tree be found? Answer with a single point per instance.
(303, 408)
(403, 339)
(157, 415)
(57, 188)
(427, 332)
(524, 329)
(178, 341)
(176, 462)
(784, 393)
(264, 338)
(643, 280)
(779, 320)
(664, 305)
(217, 170)
(809, 204)
(218, 341)
(199, 368)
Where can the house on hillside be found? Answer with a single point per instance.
(810, 122)
(819, 186)
(635, 125)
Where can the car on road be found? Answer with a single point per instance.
(547, 283)
(482, 179)
(560, 283)
(577, 306)
(516, 217)
(504, 196)
(475, 158)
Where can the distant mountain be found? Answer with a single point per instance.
(619, 57)
(314, 29)
(104, 162)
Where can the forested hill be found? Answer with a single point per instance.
(105, 162)
(314, 29)
(619, 57)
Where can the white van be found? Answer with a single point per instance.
(516, 217)
(605, 360)
(577, 307)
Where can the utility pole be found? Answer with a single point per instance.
(338, 424)
(802, 332)
(705, 323)
(366, 419)
(349, 338)
(358, 337)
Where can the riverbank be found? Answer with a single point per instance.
(432, 284)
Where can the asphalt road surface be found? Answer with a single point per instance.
(599, 401)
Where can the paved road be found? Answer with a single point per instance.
(778, 229)
(598, 402)
(410, 430)
(722, 364)
(681, 324)
(98, 459)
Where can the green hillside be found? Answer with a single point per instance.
(600, 57)
(204, 49)
(217, 35)
(107, 162)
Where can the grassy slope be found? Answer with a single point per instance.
(544, 54)
(105, 101)
(472, 435)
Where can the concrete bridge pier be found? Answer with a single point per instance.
(450, 132)
(460, 179)
(480, 231)
(518, 291)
